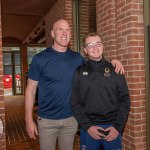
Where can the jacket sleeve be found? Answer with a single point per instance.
(76, 102)
(124, 102)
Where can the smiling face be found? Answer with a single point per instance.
(93, 47)
(61, 33)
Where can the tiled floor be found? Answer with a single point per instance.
(17, 139)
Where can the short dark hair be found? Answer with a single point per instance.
(93, 34)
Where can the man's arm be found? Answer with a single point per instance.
(118, 66)
(29, 103)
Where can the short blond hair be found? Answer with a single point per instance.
(93, 34)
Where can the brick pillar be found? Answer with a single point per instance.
(2, 107)
(24, 65)
(130, 49)
(122, 29)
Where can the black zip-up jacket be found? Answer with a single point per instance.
(99, 95)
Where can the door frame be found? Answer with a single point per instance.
(147, 61)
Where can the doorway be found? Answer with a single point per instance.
(12, 73)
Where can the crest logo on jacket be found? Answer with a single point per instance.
(107, 72)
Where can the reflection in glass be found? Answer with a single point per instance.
(17, 59)
(7, 58)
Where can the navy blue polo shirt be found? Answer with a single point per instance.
(54, 72)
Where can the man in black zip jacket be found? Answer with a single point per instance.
(100, 99)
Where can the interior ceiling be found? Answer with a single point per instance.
(19, 17)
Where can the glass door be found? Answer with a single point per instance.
(12, 73)
(7, 62)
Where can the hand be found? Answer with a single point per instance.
(113, 134)
(31, 129)
(118, 66)
(93, 132)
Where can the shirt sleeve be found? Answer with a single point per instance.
(124, 103)
(34, 70)
(76, 102)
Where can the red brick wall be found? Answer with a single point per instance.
(61, 10)
(69, 17)
(87, 19)
(106, 26)
(2, 108)
(121, 25)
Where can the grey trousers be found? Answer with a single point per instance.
(50, 130)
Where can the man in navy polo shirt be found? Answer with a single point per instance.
(52, 71)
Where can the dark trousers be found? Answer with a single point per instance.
(88, 143)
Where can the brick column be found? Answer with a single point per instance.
(122, 28)
(130, 50)
(2, 107)
(24, 65)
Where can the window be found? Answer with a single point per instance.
(32, 51)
